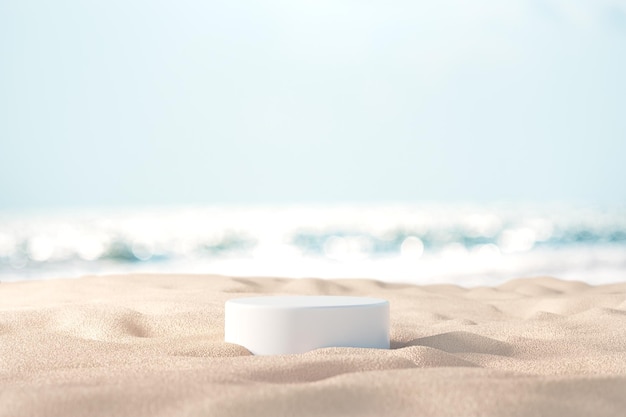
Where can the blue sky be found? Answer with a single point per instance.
(152, 102)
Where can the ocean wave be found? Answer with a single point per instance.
(36, 244)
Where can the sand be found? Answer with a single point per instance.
(152, 345)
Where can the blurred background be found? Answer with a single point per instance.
(454, 141)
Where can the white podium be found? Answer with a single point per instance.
(297, 324)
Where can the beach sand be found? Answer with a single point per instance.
(152, 345)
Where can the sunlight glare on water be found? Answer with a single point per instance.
(414, 243)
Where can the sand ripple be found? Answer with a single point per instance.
(150, 345)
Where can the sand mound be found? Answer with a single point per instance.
(152, 345)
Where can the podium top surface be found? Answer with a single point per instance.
(307, 301)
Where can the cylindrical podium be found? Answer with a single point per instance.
(296, 324)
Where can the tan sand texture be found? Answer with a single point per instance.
(152, 345)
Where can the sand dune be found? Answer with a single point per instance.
(152, 345)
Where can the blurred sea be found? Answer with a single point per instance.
(422, 243)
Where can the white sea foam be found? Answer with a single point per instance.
(464, 244)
